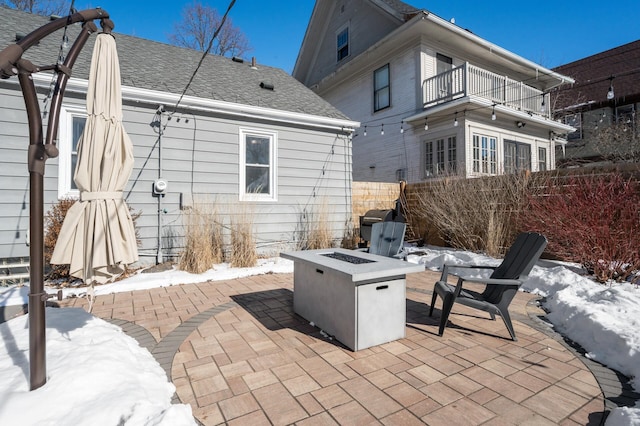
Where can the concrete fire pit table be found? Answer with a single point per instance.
(359, 298)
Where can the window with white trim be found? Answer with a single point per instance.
(440, 157)
(342, 41)
(258, 169)
(484, 154)
(381, 88)
(542, 159)
(517, 156)
(428, 159)
(71, 125)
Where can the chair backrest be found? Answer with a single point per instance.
(517, 263)
(521, 256)
(387, 238)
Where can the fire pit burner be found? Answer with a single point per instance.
(348, 258)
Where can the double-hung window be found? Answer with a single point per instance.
(484, 154)
(71, 126)
(342, 39)
(517, 156)
(542, 159)
(381, 88)
(258, 172)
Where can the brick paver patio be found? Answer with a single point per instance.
(238, 354)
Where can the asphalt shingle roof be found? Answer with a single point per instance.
(146, 64)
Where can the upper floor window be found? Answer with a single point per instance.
(517, 156)
(381, 88)
(258, 172)
(71, 126)
(343, 43)
(484, 154)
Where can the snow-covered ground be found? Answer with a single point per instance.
(130, 388)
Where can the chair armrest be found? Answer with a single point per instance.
(445, 269)
(402, 256)
(499, 281)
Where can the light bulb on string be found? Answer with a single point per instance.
(493, 114)
(365, 131)
(611, 94)
(401, 127)
(426, 125)
(455, 120)
(382, 129)
(542, 106)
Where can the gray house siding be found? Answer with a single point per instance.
(200, 153)
(200, 162)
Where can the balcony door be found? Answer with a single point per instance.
(444, 65)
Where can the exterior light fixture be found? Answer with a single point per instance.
(382, 130)
(426, 125)
(401, 127)
(455, 120)
(493, 114)
(611, 94)
(365, 131)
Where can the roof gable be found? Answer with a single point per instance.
(369, 21)
(151, 65)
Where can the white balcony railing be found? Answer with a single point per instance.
(470, 80)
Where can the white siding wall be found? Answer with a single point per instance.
(393, 150)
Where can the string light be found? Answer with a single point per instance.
(493, 113)
(402, 127)
(610, 93)
(382, 129)
(426, 125)
(365, 130)
(455, 120)
(542, 107)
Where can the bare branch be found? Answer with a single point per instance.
(39, 7)
(199, 23)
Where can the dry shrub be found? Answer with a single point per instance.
(243, 246)
(203, 240)
(351, 237)
(314, 231)
(52, 224)
(475, 214)
(592, 220)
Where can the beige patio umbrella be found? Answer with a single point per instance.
(98, 238)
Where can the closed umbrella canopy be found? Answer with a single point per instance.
(98, 238)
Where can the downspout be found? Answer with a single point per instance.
(159, 257)
(11, 63)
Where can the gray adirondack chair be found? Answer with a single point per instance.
(387, 239)
(501, 286)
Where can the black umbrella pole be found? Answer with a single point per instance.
(37, 299)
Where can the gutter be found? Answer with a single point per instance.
(155, 97)
(493, 48)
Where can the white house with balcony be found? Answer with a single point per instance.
(433, 99)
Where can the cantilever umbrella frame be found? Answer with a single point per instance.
(11, 63)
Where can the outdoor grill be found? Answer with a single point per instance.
(375, 216)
